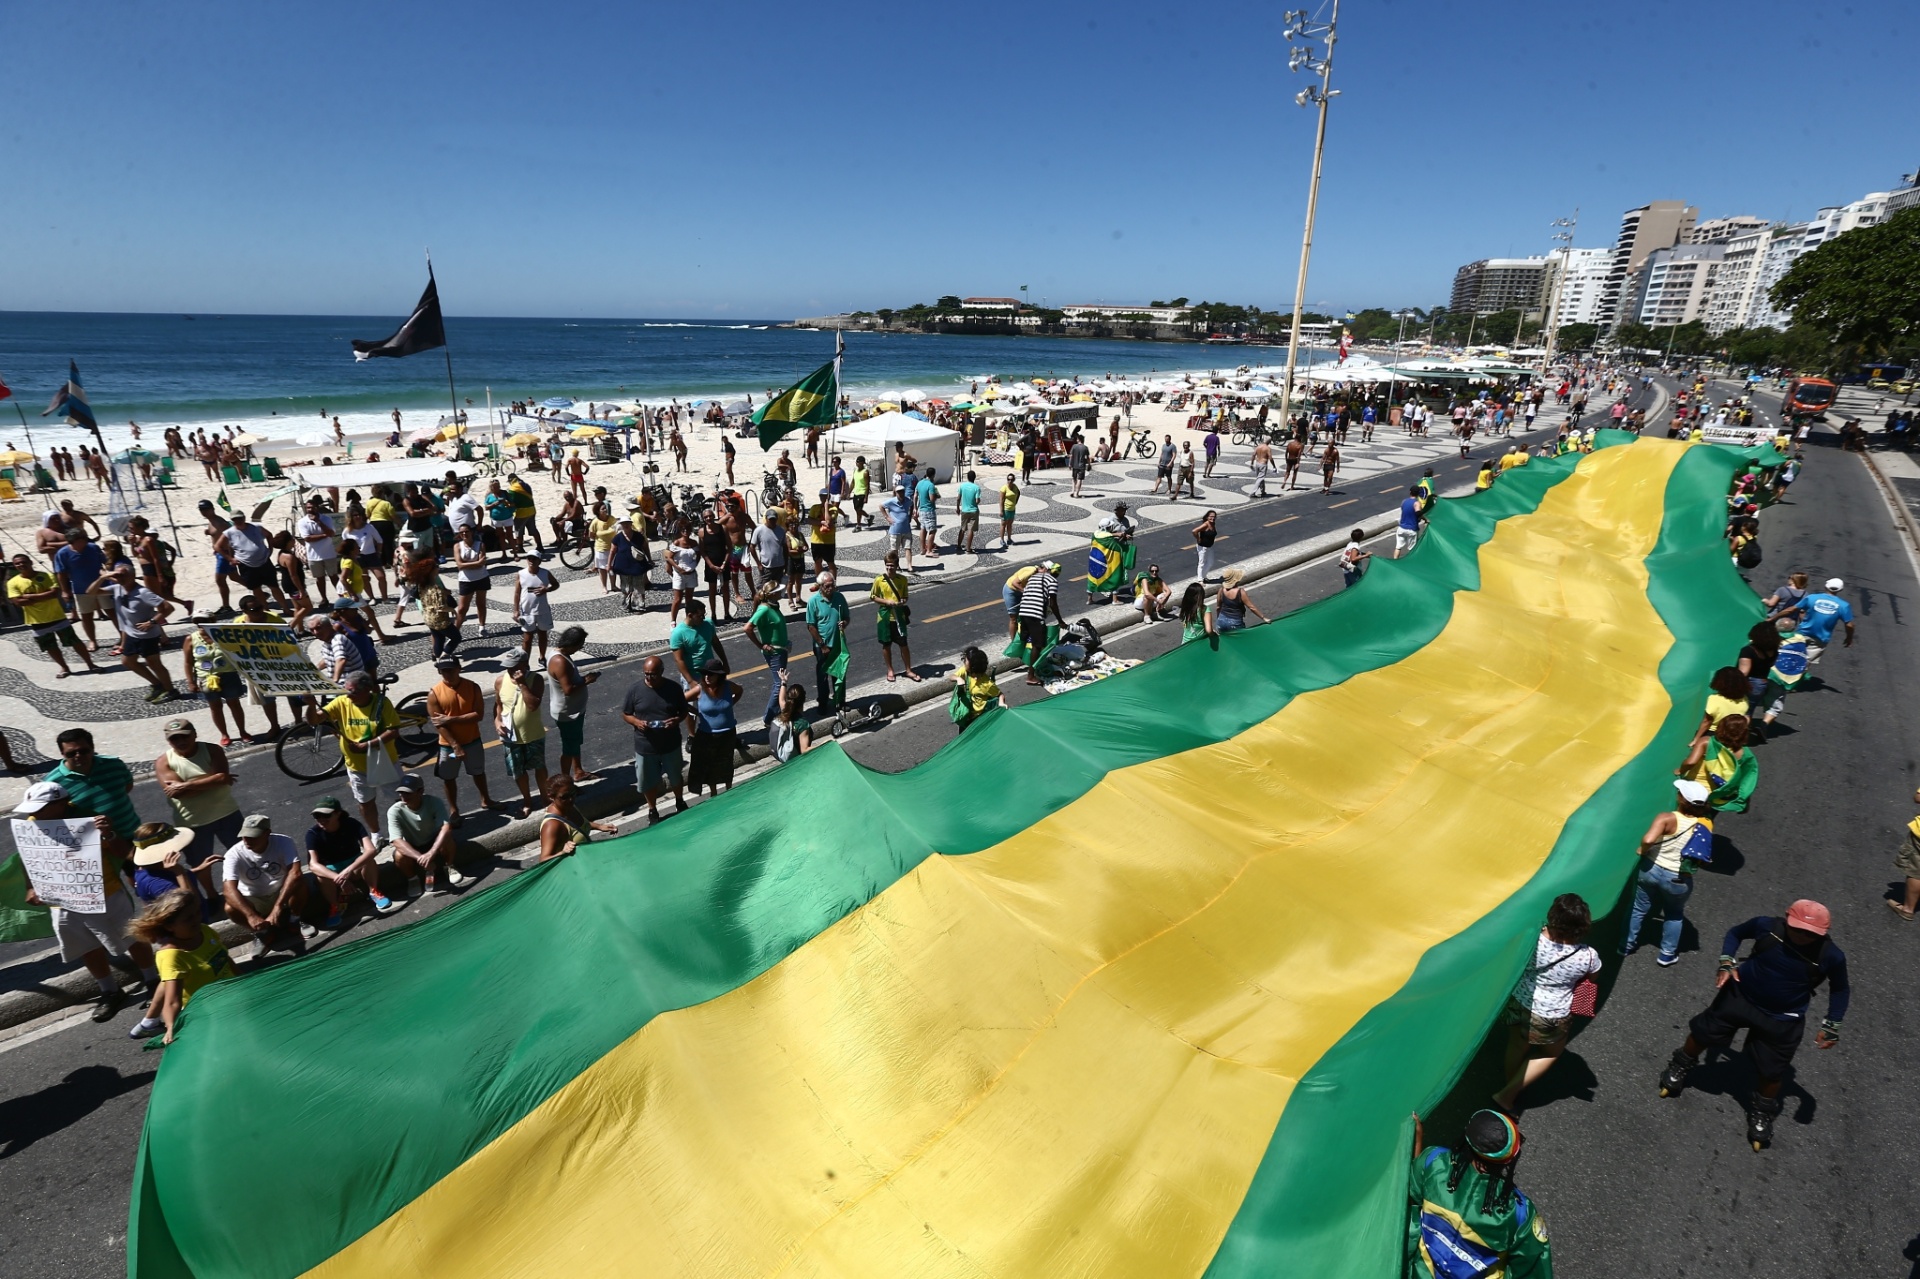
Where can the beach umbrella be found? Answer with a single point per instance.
(521, 440)
(557, 402)
(627, 421)
(587, 432)
(14, 457)
(425, 435)
(887, 406)
(312, 440)
(451, 430)
(136, 457)
(916, 413)
(248, 437)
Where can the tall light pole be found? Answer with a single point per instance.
(1564, 237)
(1321, 95)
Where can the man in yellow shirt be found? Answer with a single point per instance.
(366, 722)
(37, 596)
(1519, 457)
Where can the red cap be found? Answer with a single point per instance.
(1809, 915)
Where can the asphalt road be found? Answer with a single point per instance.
(73, 1094)
(1635, 1185)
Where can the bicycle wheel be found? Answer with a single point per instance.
(417, 734)
(1145, 447)
(577, 554)
(1239, 437)
(308, 753)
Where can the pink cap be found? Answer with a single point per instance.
(1809, 915)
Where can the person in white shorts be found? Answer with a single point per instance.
(93, 939)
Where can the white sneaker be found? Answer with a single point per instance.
(483, 630)
(455, 878)
(146, 1028)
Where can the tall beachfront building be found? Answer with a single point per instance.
(1500, 284)
(1580, 276)
(1660, 224)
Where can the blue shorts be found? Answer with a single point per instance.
(1011, 598)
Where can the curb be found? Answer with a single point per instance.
(876, 699)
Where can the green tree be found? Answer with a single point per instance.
(1577, 337)
(1859, 291)
(948, 304)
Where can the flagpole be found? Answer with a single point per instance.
(44, 495)
(446, 349)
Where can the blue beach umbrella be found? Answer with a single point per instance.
(557, 402)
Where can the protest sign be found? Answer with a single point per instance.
(271, 657)
(62, 858)
(1743, 436)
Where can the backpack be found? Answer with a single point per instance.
(1749, 556)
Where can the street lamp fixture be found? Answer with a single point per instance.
(1313, 53)
(1563, 236)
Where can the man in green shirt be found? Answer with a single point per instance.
(827, 617)
(694, 643)
(1468, 1217)
(98, 785)
(768, 628)
(423, 842)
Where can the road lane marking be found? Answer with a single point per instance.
(1337, 505)
(1281, 521)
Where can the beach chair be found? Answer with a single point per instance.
(166, 480)
(273, 469)
(229, 475)
(166, 464)
(255, 473)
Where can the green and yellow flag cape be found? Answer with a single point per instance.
(1019, 1011)
(811, 402)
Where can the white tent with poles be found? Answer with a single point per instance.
(930, 445)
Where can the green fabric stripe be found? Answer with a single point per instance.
(1330, 1195)
(368, 1096)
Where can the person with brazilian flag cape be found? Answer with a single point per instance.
(1468, 1218)
(813, 401)
(1110, 558)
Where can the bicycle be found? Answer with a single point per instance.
(311, 753)
(575, 549)
(1139, 443)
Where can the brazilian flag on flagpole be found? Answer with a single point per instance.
(813, 401)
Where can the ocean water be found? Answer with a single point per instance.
(281, 376)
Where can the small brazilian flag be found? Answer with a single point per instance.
(221, 501)
(813, 402)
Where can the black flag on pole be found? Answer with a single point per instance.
(423, 330)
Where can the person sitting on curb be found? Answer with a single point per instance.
(265, 892)
(1152, 597)
(95, 939)
(342, 858)
(562, 827)
(423, 839)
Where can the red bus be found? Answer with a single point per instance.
(1808, 397)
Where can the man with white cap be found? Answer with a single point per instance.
(1820, 612)
(93, 938)
(1768, 994)
(1676, 843)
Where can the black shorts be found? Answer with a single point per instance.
(1033, 633)
(1771, 1040)
(255, 577)
(473, 588)
(823, 552)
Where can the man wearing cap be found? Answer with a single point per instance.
(37, 596)
(1468, 1217)
(141, 616)
(244, 545)
(517, 692)
(1820, 612)
(1768, 995)
(95, 939)
(1676, 843)
(567, 701)
(342, 654)
(454, 706)
(264, 890)
(199, 787)
(423, 840)
(367, 725)
(768, 548)
(342, 857)
(315, 533)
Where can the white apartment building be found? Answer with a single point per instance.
(1734, 283)
(1084, 311)
(1721, 230)
(1783, 251)
(1675, 284)
(1581, 276)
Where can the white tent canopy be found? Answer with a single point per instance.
(931, 445)
(402, 470)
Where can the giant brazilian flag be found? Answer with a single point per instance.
(1139, 981)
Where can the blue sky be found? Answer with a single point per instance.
(767, 160)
